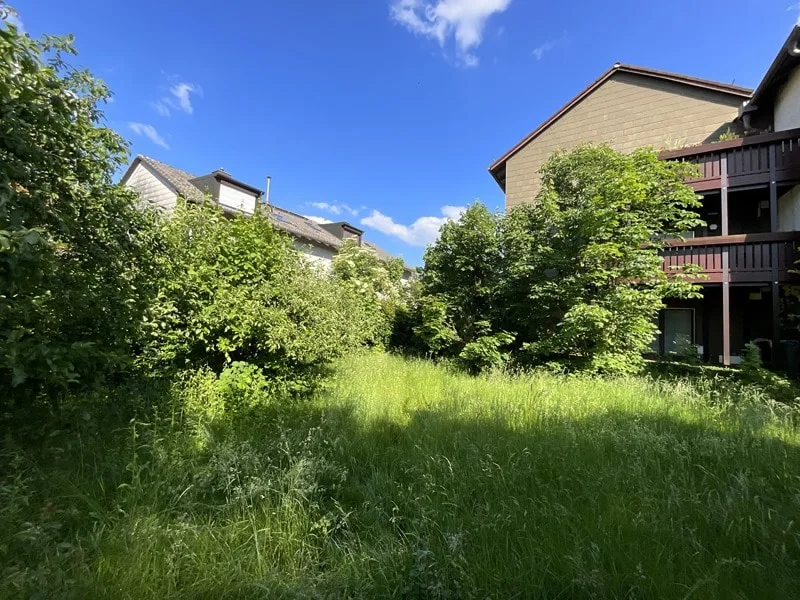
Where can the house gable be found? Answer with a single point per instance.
(627, 108)
(153, 189)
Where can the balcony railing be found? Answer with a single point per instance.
(749, 160)
(750, 256)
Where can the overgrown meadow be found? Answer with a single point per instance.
(405, 479)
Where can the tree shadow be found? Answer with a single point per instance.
(610, 505)
(441, 502)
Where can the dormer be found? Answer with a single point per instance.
(227, 191)
(344, 231)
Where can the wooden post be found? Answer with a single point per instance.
(773, 227)
(706, 327)
(726, 284)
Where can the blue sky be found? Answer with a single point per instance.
(385, 113)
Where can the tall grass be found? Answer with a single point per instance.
(403, 479)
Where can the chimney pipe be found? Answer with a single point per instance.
(269, 184)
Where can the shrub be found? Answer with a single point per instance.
(234, 289)
(377, 283)
(72, 253)
(485, 353)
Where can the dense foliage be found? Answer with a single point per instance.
(378, 285)
(179, 464)
(574, 278)
(94, 288)
(71, 261)
(234, 289)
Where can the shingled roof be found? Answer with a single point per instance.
(295, 225)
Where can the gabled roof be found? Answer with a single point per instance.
(787, 59)
(497, 169)
(287, 221)
(178, 179)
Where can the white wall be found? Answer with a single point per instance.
(234, 197)
(789, 210)
(787, 104)
(152, 188)
(316, 256)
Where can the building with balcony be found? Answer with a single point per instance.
(746, 145)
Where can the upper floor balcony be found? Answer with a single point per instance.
(748, 161)
(749, 258)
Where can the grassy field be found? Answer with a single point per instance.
(402, 479)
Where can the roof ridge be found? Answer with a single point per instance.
(690, 79)
(716, 86)
(151, 160)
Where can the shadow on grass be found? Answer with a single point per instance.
(299, 500)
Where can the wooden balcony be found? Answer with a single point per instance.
(747, 161)
(751, 257)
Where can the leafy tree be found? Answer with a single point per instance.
(234, 289)
(461, 270)
(574, 277)
(582, 278)
(71, 253)
(364, 269)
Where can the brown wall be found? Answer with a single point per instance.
(628, 111)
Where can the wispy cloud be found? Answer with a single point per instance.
(546, 47)
(464, 20)
(181, 92)
(540, 51)
(149, 132)
(420, 233)
(795, 8)
(179, 98)
(320, 220)
(334, 209)
(160, 107)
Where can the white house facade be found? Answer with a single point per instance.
(160, 185)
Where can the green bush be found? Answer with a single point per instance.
(378, 285)
(73, 248)
(486, 352)
(234, 289)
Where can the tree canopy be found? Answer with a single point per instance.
(574, 277)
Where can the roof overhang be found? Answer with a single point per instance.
(787, 59)
(498, 167)
(129, 171)
(221, 176)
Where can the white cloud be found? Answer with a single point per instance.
(463, 19)
(352, 211)
(540, 51)
(179, 99)
(181, 93)
(331, 208)
(160, 107)
(335, 209)
(320, 220)
(149, 132)
(421, 232)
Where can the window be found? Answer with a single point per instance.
(678, 328)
